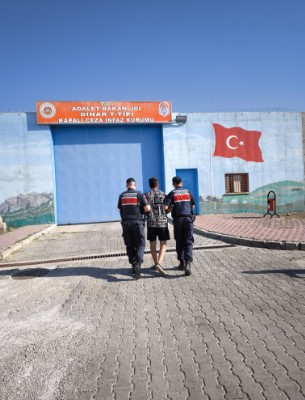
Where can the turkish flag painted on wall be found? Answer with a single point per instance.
(237, 142)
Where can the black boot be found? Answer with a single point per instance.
(133, 270)
(137, 271)
(181, 266)
(188, 265)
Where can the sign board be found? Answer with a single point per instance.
(103, 112)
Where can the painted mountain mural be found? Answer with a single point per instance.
(28, 209)
(290, 197)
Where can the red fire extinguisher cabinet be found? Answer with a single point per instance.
(271, 204)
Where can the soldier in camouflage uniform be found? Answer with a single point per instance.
(157, 224)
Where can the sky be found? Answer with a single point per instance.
(203, 55)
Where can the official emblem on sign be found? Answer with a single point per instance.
(47, 110)
(164, 109)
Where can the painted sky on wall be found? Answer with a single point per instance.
(203, 55)
(25, 157)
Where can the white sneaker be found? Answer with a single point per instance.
(160, 269)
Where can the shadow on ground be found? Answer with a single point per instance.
(292, 273)
(108, 274)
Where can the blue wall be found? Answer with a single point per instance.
(92, 164)
(27, 172)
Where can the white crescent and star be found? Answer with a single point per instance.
(241, 143)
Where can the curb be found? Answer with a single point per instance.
(265, 244)
(24, 242)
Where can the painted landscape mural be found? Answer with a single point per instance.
(28, 209)
(26, 176)
(266, 146)
(289, 198)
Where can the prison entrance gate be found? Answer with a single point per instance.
(92, 164)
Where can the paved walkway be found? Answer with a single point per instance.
(14, 240)
(87, 330)
(246, 229)
(9, 238)
(255, 230)
(86, 241)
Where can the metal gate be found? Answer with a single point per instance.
(92, 164)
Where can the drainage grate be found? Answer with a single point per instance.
(209, 247)
(30, 273)
(97, 256)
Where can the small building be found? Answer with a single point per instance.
(68, 162)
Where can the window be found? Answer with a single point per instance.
(237, 183)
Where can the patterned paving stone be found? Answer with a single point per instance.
(234, 329)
